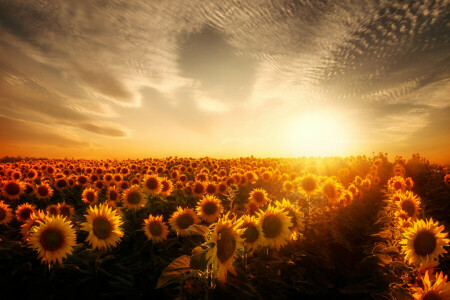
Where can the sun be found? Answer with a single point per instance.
(320, 133)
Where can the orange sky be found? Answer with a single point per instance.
(208, 78)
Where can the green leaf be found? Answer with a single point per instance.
(198, 229)
(179, 266)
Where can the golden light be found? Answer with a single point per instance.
(324, 133)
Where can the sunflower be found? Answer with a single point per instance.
(258, 197)
(12, 189)
(34, 219)
(439, 290)
(152, 184)
(43, 191)
(112, 194)
(332, 190)
(295, 215)
(309, 184)
(227, 239)
(288, 186)
(211, 188)
(5, 213)
(24, 211)
(222, 188)
(103, 225)
(408, 205)
(181, 220)
(396, 184)
(198, 188)
(209, 208)
(133, 197)
(155, 229)
(251, 233)
(82, 180)
(65, 210)
(54, 238)
(61, 183)
(52, 210)
(167, 186)
(274, 223)
(424, 242)
(89, 196)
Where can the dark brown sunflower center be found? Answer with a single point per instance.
(185, 220)
(134, 197)
(258, 197)
(251, 234)
(25, 213)
(226, 244)
(90, 196)
(61, 183)
(272, 226)
(432, 295)
(64, 211)
(209, 208)
(113, 195)
(408, 207)
(199, 189)
(152, 183)
(53, 210)
(52, 239)
(102, 228)
(424, 243)
(308, 184)
(211, 189)
(155, 228)
(82, 180)
(329, 190)
(2, 214)
(12, 189)
(397, 185)
(42, 191)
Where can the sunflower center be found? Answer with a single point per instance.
(251, 234)
(329, 190)
(210, 189)
(2, 214)
(308, 184)
(90, 196)
(425, 243)
(53, 210)
(272, 226)
(209, 208)
(199, 189)
(43, 191)
(64, 211)
(113, 195)
(226, 244)
(432, 295)
(152, 183)
(52, 239)
(155, 228)
(82, 180)
(25, 213)
(185, 220)
(134, 198)
(12, 189)
(258, 197)
(102, 228)
(61, 183)
(408, 207)
(397, 185)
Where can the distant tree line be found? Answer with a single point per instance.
(13, 159)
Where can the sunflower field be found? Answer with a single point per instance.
(246, 228)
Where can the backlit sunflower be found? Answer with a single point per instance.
(274, 223)
(103, 225)
(65, 210)
(408, 205)
(133, 197)
(43, 191)
(112, 194)
(53, 238)
(396, 184)
(89, 196)
(24, 211)
(309, 184)
(38, 215)
(12, 189)
(211, 188)
(258, 197)
(155, 229)
(61, 183)
(209, 208)
(251, 233)
(6, 214)
(439, 290)
(167, 186)
(424, 242)
(295, 215)
(332, 191)
(227, 239)
(152, 184)
(198, 188)
(52, 210)
(181, 220)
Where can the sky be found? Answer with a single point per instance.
(135, 79)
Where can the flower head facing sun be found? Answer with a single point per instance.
(309, 184)
(226, 237)
(408, 205)
(258, 197)
(209, 208)
(133, 198)
(152, 184)
(424, 242)
(155, 229)
(251, 233)
(54, 238)
(181, 220)
(103, 224)
(439, 290)
(274, 223)
(89, 196)
(24, 211)
(13, 189)
(6, 214)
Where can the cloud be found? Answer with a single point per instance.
(103, 129)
